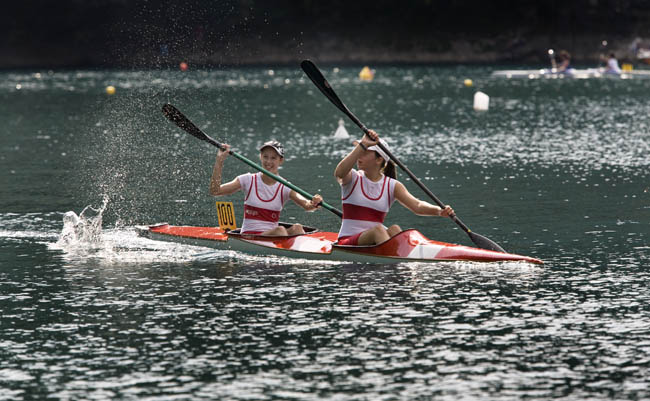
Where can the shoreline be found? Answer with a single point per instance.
(585, 50)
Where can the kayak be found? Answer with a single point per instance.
(407, 246)
(573, 73)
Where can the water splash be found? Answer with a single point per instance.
(83, 238)
(83, 231)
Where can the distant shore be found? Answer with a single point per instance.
(161, 34)
(585, 50)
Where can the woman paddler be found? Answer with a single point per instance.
(368, 193)
(565, 63)
(264, 196)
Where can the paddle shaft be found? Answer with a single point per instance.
(321, 83)
(178, 118)
(285, 182)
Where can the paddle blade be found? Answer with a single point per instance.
(484, 243)
(174, 115)
(321, 83)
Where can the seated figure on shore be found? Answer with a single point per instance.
(612, 65)
(564, 66)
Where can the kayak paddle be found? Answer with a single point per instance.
(178, 118)
(321, 83)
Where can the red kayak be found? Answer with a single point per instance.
(409, 245)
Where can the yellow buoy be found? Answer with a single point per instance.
(110, 90)
(366, 74)
(468, 82)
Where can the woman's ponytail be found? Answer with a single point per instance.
(389, 169)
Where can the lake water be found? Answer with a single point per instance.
(556, 169)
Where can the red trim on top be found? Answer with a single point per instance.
(249, 191)
(356, 212)
(389, 191)
(383, 185)
(352, 190)
(258, 194)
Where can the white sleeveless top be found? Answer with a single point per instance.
(365, 203)
(262, 203)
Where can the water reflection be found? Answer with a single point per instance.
(240, 329)
(554, 170)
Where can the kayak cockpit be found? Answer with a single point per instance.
(238, 234)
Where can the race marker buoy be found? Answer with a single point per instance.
(183, 66)
(110, 90)
(468, 82)
(341, 132)
(481, 101)
(366, 74)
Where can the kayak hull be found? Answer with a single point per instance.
(316, 245)
(411, 245)
(407, 246)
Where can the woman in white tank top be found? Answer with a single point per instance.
(264, 196)
(368, 192)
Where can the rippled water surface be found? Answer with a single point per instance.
(556, 169)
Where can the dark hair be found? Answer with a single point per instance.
(388, 168)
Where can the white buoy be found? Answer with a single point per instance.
(341, 132)
(481, 101)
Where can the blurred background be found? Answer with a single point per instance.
(146, 33)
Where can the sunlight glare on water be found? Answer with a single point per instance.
(556, 169)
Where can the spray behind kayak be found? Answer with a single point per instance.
(83, 230)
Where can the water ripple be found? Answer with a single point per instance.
(554, 169)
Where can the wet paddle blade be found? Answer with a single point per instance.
(174, 115)
(321, 83)
(484, 243)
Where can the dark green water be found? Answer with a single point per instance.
(556, 169)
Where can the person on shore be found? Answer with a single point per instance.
(264, 196)
(368, 193)
(564, 66)
(612, 65)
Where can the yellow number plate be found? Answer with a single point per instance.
(226, 216)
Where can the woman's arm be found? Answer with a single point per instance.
(308, 205)
(342, 171)
(225, 189)
(216, 189)
(419, 207)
